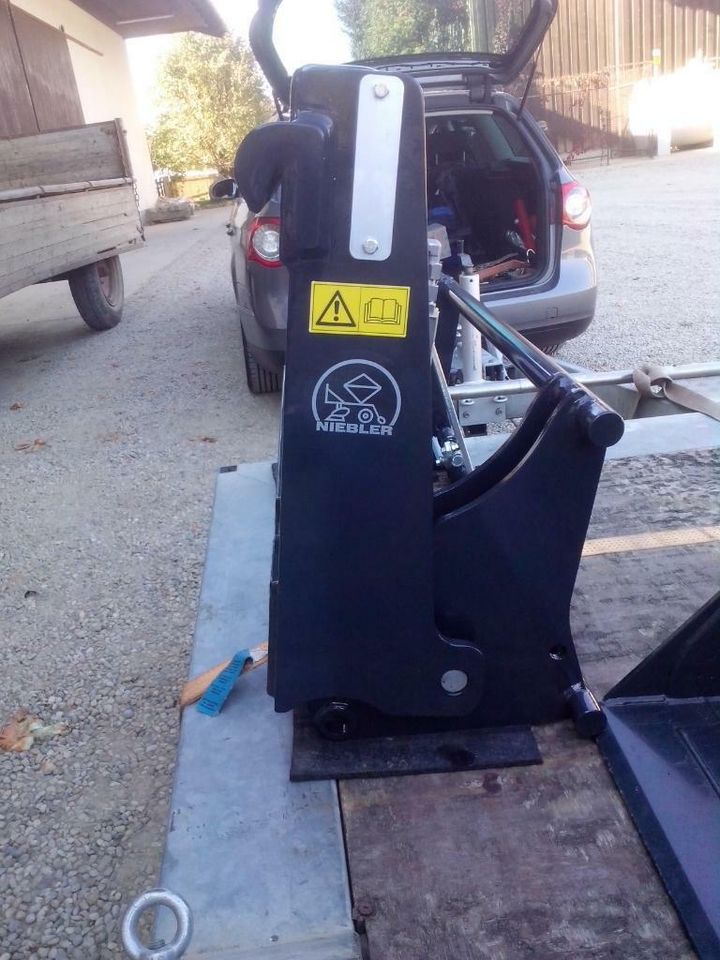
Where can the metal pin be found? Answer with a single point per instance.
(370, 245)
(380, 90)
(454, 681)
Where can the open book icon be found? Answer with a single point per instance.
(382, 310)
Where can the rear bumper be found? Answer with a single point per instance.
(560, 312)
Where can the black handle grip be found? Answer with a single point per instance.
(295, 155)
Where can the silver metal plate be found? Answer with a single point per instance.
(259, 860)
(377, 148)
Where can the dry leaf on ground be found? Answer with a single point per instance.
(23, 729)
(31, 446)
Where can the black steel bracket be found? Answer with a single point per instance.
(662, 746)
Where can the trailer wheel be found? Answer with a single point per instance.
(259, 380)
(99, 292)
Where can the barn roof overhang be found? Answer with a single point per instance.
(144, 18)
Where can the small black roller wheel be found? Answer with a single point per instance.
(99, 293)
(259, 380)
(335, 720)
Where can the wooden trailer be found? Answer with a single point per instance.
(67, 211)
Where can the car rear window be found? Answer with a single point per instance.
(475, 137)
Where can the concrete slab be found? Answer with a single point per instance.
(259, 860)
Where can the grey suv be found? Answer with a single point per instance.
(497, 192)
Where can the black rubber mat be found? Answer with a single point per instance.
(315, 758)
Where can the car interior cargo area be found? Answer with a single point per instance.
(485, 197)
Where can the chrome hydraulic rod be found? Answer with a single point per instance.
(529, 359)
(602, 425)
(490, 388)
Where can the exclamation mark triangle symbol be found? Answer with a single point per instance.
(336, 313)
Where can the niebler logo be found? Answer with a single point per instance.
(358, 397)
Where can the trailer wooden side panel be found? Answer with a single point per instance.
(95, 151)
(45, 237)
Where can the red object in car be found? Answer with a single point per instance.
(524, 225)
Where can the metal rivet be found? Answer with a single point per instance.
(454, 681)
(370, 245)
(380, 90)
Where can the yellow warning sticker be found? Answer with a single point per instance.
(359, 310)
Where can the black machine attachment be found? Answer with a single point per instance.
(662, 745)
(395, 609)
(417, 626)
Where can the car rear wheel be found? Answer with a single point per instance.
(259, 380)
(553, 349)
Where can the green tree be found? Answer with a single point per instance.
(380, 28)
(386, 28)
(212, 94)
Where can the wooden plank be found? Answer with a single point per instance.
(16, 110)
(81, 258)
(123, 147)
(51, 190)
(194, 689)
(68, 208)
(49, 72)
(502, 865)
(35, 252)
(51, 259)
(51, 235)
(84, 248)
(89, 152)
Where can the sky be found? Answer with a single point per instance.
(299, 38)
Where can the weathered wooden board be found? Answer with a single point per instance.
(16, 108)
(543, 862)
(47, 236)
(53, 189)
(94, 151)
(49, 71)
(530, 862)
(58, 213)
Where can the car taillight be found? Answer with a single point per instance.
(264, 242)
(576, 206)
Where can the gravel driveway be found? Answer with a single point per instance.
(104, 528)
(108, 449)
(657, 240)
